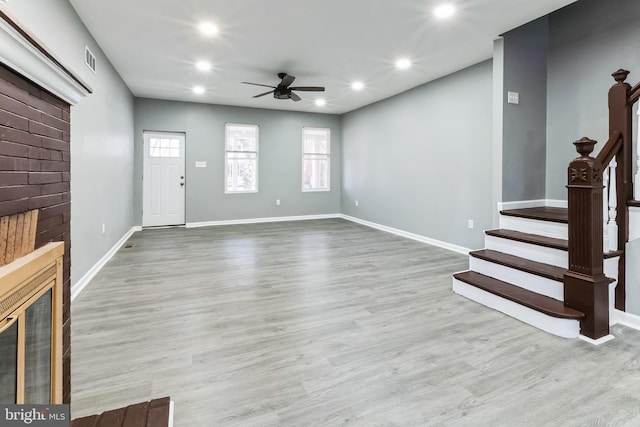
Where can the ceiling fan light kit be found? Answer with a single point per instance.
(284, 90)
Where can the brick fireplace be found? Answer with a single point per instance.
(35, 173)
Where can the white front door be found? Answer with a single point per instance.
(163, 180)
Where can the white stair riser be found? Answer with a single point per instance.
(565, 328)
(634, 223)
(531, 282)
(611, 270)
(534, 226)
(527, 251)
(611, 267)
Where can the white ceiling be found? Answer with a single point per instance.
(154, 45)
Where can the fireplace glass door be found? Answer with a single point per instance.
(26, 352)
(9, 361)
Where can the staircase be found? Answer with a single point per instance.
(564, 270)
(521, 270)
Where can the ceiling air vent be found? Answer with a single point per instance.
(90, 59)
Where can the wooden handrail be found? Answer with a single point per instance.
(610, 149)
(635, 94)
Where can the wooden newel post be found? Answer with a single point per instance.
(620, 119)
(585, 285)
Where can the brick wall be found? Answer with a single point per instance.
(35, 173)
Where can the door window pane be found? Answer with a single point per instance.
(164, 147)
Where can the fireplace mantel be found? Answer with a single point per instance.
(26, 55)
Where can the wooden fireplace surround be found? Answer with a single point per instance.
(22, 282)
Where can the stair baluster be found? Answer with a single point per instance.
(612, 226)
(605, 207)
(636, 186)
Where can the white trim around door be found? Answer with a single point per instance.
(164, 180)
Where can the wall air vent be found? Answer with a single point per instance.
(90, 59)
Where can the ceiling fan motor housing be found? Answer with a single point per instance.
(281, 94)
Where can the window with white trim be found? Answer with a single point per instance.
(241, 158)
(316, 148)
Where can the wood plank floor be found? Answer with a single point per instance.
(327, 323)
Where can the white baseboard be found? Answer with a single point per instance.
(556, 203)
(171, 412)
(408, 235)
(626, 319)
(260, 220)
(523, 204)
(599, 341)
(77, 287)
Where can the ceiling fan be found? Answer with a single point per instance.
(284, 88)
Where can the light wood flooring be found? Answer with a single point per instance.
(327, 323)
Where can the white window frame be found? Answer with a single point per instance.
(226, 156)
(328, 157)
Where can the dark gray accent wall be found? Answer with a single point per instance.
(588, 41)
(524, 124)
(280, 160)
(421, 161)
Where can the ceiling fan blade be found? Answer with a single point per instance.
(287, 80)
(263, 94)
(308, 88)
(258, 84)
(295, 97)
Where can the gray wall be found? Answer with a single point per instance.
(588, 40)
(101, 134)
(280, 160)
(421, 161)
(524, 124)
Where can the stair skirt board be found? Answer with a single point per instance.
(529, 251)
(535, 226)
(522, 204)
(565, 328)
(531, 282)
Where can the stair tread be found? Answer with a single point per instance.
(538, 268)
(536, 239)
(543, 213)
(538, 302)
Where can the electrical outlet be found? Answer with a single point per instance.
(356, 203)
(277, 202)
(513, 98)
(470, 224)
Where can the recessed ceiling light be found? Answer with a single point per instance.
(321, 102)
(203, 65)
(198, 90)
(403, 63)
(444, 11)
(357, 85)
(208, 29)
